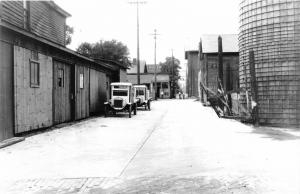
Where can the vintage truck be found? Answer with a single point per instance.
(122, 99)
(142, 96)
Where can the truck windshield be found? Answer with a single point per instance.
(120, 92)
(139, 92)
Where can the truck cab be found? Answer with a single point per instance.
(142, 96)
(122, 99)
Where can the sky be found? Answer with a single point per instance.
(180, 24)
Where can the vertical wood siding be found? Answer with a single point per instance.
(82, 94)
(62, 93)
(108, 89)
(123, 75)
(192, 77)
(97, 91)
(33, 106)
(6, 91)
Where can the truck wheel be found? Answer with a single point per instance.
(145, 106)
(135, 109)
(129, 110)
(149, 108)
(105, 110)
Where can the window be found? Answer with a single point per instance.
(120, 92)
(34, 74)
(139, 92)
(164, 85)
(81, 81)
(60, 78)
(26, 15)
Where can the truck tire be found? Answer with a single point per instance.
(149, 105)
(105, 111)
(135, 109)
(129, 111)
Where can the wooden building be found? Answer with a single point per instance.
(205, 64)
(193, 69)
(218, 57)
(42, 83)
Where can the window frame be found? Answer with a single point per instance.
(61, 75)
(34, 83)
(81, 80)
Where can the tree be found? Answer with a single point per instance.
(69, 32)
(172, 64)
(109, 50)
(85, 49)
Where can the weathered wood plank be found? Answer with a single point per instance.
(46, 22)
(33, 106)
(97, 91)
(82, 94)
(62, 98)
(6, 91)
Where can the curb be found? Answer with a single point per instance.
(11, 141)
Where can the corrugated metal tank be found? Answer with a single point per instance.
(271, 28)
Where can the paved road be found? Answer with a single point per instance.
(178, 147)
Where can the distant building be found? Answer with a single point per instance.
(192, 73)
(202, 65)
(147, 78)
(213, 51)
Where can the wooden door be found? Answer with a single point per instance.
(97, 91)
(108, 88)
(6, 91)
(82, 92)
(62, 92)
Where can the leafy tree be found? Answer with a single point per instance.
(69, 32)
(109, 50)
(85, 49)
(172, 64)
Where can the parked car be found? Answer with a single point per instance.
(142, 96)
(122, 99)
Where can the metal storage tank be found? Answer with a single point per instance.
(271, 28)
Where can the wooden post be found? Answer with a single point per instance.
(220, 59)
(253, 87)
(201, 64)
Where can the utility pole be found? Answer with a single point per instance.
(138, 37)
(172, 80)
(155, 67)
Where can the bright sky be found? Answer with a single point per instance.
(180, 23)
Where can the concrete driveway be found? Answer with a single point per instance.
(177, 147)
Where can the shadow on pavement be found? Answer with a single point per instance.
(275, 134)
(179, 185)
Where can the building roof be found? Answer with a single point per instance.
(133, 68)
(57, 8)
(121, 84)
(148, 78)
(210, 43)
(57, 46)
(112, 62)
(151, 68)
(140, 86)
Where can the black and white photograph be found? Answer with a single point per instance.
(150, 97)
